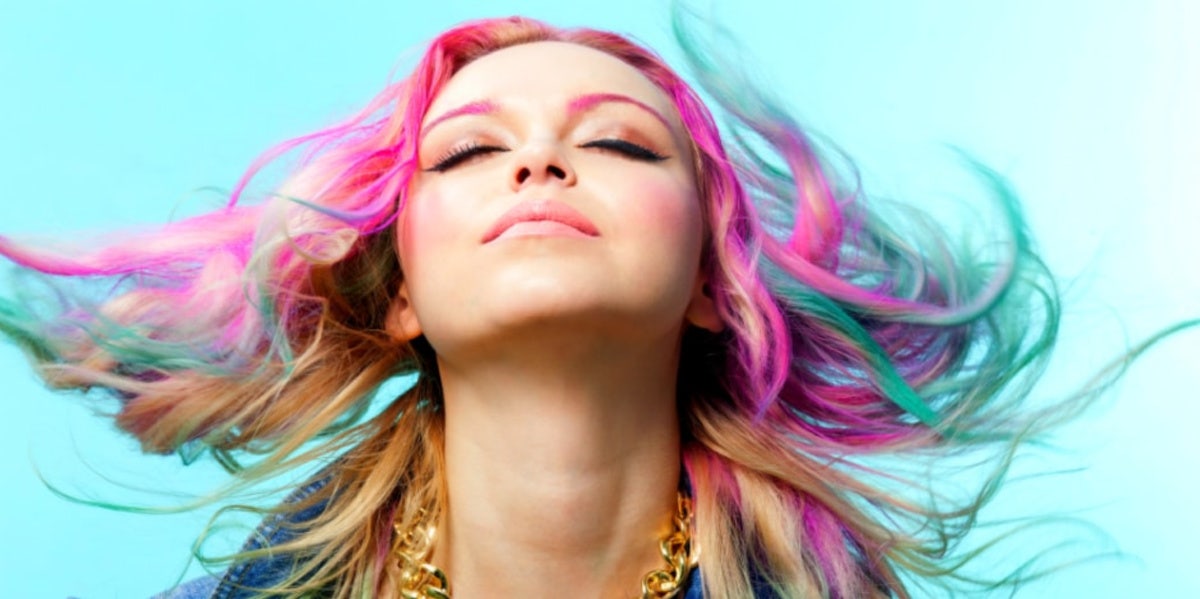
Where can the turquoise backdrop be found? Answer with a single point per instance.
(113, 113)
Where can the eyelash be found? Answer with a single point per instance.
(627, 148)
(460, 154)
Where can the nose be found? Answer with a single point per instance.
(540, 163)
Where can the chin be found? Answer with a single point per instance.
(543, 306)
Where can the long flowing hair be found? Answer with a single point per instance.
(859, 338)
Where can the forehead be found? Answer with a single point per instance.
(547, 73)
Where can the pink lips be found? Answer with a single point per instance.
(541, 218)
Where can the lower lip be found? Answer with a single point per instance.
(540, 228)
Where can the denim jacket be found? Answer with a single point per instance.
(235, 582)
(259, 573)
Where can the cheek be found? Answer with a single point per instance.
(666, 210)
(663, 230)
(428, 226)
(424, 235)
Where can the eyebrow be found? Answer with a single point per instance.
(589, 101)
(578, 104)
(480, 107)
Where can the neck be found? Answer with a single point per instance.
(562, 467)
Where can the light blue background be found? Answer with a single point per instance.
(111, 113)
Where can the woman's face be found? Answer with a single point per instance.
(555, 190)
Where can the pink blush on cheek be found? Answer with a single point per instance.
(660, 205)
(431, 217)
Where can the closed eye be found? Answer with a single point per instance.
(626, 148)
(460, 154)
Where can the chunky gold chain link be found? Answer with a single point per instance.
(420, 579)
(677, 549)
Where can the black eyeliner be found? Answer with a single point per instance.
(460, 154)
(627, 148)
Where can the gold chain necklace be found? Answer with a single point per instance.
(420, 579)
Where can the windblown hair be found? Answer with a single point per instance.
(856, 338)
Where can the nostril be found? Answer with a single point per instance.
(522, 175)
(557, 172)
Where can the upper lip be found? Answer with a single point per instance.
(538, 210)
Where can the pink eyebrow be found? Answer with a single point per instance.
(589, 101)
(481, 107)
(575, 106)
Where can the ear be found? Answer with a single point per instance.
(702, 310)
(402, 323)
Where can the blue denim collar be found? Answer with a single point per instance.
(243, 577)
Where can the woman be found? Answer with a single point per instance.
(648, 361)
